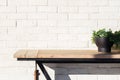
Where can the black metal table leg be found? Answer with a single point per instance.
(43, 70)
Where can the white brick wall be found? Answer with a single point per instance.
(55, 24)
(3, 2)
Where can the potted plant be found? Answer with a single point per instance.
(103, 39)
(116, 40)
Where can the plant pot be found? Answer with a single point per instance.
(104, 44)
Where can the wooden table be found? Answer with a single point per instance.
(65, 56)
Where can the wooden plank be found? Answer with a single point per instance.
(31, 54)
(68, 52)
(65, 54)
(20, 54)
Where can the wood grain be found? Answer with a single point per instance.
(65, 54)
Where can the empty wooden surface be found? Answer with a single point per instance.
(65, 54)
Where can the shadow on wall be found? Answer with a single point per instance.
(63, 71)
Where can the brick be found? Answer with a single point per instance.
(118, 10)
(5, 57)
(65, 23)
(42, 23)
(57, 2)
(98, 3)
(86, 77)
(57, 16)
(107, 77)
(37, 2)
(104, 16)
(52, 44)
(5, 50)
(114, 2)
(78, 23)
(7, 23)
(83, 37)
(7, 9)
(3, 44)
(26, 9)
(22, 36)
(65, 44)
(3, 2)
(16, 76)
(18, 2)
(107, 23)
(65, 9)
(11, 37)
(43, 37)
(3, 16)
(18, 16)
(11, 44)
(17, 44)
(36, 30)
(77, 3)
(62, 44)
(118, 24)
(11, 31)
(3, 32)
(58, 30)
(41, 16)
(78, 16)
(82, 30)
(37, 44)
(16, 70)
(88, 10)
(48, 37)
(13, 64)
(26, 23)
(47, 9)
(78, 44)
(67, 2)
(118, 77)
(66, 37)
(108, 9)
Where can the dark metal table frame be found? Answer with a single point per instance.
(41, 61)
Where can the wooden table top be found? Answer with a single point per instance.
(65, 54)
